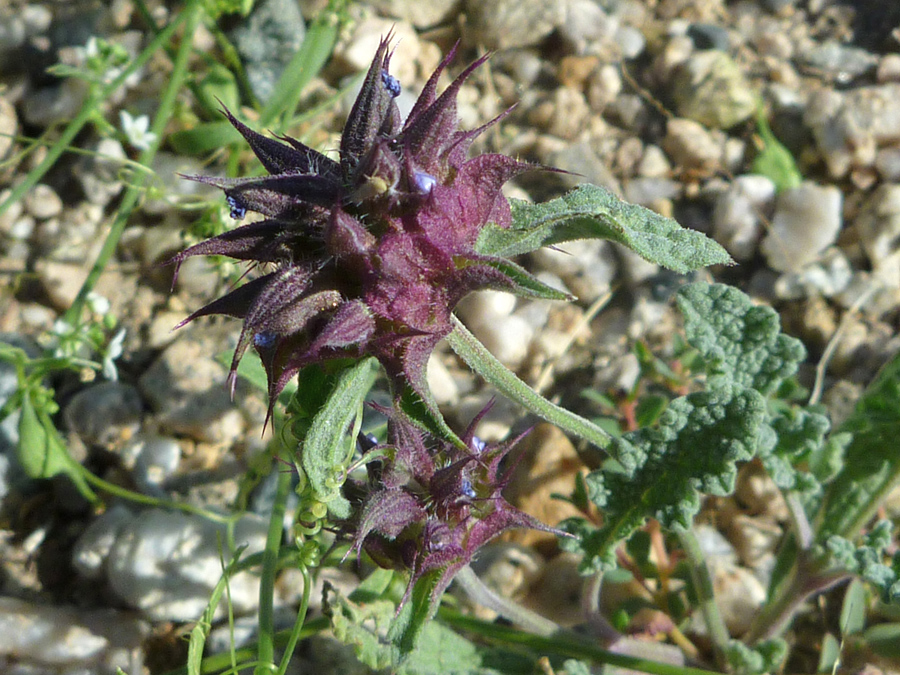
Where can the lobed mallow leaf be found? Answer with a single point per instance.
(741, 343)
(593, 212)
(694, 449)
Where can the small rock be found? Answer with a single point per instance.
(570, 113)
(603, 86)
(755, 539)
(807, 220)
(710, 88)
(887, 161)
(650, 191)
(79, 641)
(828, 276)
(419, 14)
(549, 465)
(888, 69)
(56, 104)
(631, 42)
(848, 128)
(167, 563)
(61, 281)
(654, 163)
(105, 414)
(186, 386)
(878, 225)
(557, 594)
(99, 172)
(93, 546)
(582, 160)
(586, 267)
(9, 125)
(440, 382)
(739, 596)
(758, 493)
(157, 459)
(586, 27)
(716, 549)
(267, 40)
(690, 146)
(413, 59)
(42, 202)
(837, 62)
(709, 36)
(738, 212)
(506, 24)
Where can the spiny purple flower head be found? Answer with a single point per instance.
(434, 504)
(368, 254)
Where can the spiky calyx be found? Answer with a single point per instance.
(371, 253)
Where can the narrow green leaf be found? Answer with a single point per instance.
(853, 609)
(774, 161)
(592, 212)
(40, 452)
(871, 462)
(326, 446)
(526, 284)
(884, 640)
(829, 654)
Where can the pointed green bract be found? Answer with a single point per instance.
(592, 212)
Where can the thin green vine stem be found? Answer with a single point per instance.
(147, 500)
(265, 650)
(479, 359)
(703, 585)
(191, 17)
(89, 109)
(298, 624)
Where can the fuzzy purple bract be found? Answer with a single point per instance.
(369, 254)
(429, 505)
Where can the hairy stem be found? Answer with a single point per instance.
(703, 585)
(476, 589)
(479, 359)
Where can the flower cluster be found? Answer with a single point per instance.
(371, 253)
(429, 507)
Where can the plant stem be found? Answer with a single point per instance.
(191, 18)
(266, 648)
(476, 589)
(479, 359)
(298, 624)
(703, 586)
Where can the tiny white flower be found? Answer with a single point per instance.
(137, 129)
(97, 303)
(113, 351)
(62, 328)
(92, 48)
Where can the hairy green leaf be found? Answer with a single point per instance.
(695, 449)
(740, 342)
(592, 212)
(797, 434)
(327, 446)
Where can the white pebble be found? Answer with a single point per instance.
(807, 220)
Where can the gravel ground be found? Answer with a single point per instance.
(656, 100)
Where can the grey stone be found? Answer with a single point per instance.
(838, 62)
(9, 125)
(631, 42)
(54, 104)
(157, 459)
(887, 161)
(849, 128)
(99, 172)
(738, 212)
(647, 191)
(267, 40)
(93, 546)
(878, 225)
(60, 636)
(710, 88)
(506, 24)
(419, 14)
(186, 386)
(586, 27)
(104, 413)
(691, 146)
(828, 276)
(709, 36)
(42, 202)
(807, 220)
(167, 563)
